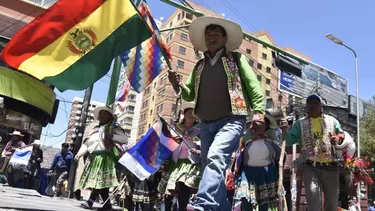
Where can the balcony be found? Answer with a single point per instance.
(43, 3)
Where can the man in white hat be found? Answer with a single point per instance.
(224, 88)
(14, 143)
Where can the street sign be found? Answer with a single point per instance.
(21, 122)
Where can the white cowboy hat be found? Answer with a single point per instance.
(198, 27)
(37, 142)
(16, 133)
(187, 105)
(102, 108)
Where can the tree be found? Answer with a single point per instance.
(367, 131)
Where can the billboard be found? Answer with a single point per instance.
(363, 106)
(332, 87)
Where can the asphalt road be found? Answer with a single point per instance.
(30, 200)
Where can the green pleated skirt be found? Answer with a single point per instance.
(99, 172)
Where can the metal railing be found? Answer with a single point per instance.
(43, 3)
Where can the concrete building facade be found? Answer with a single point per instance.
(128, 112)
(75, 116)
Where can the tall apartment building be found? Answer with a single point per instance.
(128, 112)
(75, 116)
(159, 97)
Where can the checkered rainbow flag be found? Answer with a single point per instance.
(144, 62)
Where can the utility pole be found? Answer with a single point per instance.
(78, 141)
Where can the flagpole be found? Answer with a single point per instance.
(166, 58)
(114, 83)
(178, 133)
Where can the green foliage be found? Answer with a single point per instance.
(367, 131)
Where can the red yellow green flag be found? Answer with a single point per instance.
(72, 44)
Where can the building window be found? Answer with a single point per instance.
(145, 103)
(259, 66)
(251, 62)
(182, 50)
(127, 132)
(180, 64)
(153, 98)
(259, 78)
(128, 120)
(268, 69)
(171, 24)
(162, 93)
(163, 79)
(147, 90)
(248, 51)
(268, 81)
(179, 16)
(130, 108)
(132, 97)
(160, 108)
(149, 126)
(189, 16)
(264, 56)
(154, 84)
(184, 36)
(151, 112)
(268, 93)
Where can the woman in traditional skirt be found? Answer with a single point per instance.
(183, 176)
(100, 173)
(257, 170)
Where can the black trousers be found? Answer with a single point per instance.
(104, 193)
(182, 199)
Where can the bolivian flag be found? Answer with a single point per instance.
(72, 44)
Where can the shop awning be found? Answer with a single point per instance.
(26, 89)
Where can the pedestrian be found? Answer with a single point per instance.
(15, 176)
(345, 149)
(60, 167)
(99, 174)
(32, 171)
(224, 88)
(183, 176)
(317, 134)
(257, 169)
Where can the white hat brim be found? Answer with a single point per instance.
(98, 109)
(37, 142)
(187, 105)
(198, 27)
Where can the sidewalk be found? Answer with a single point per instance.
(30, 200)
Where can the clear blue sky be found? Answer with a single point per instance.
(298, 24)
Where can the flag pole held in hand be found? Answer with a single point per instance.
(281, 165)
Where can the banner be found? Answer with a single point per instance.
(363, 106)
(332, 87)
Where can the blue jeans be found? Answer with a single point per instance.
(219, 140)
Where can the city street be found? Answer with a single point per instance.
(30, 200)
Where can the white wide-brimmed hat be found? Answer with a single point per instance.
(37, 142)
(102, 108)
(16, 133)
(187, 105)
(198, 27)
